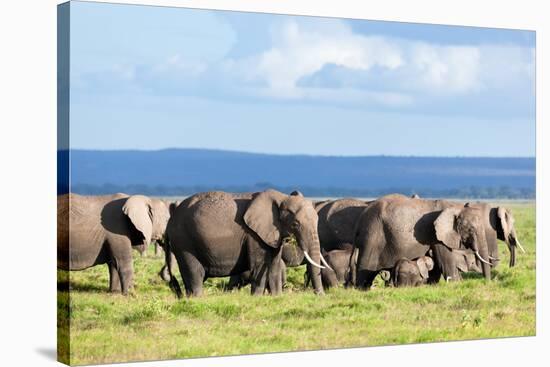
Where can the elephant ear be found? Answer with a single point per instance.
(506, 222)
(445, 228)
(138, 209)
(262, 216)
(425, 264)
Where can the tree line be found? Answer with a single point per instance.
(473, 192)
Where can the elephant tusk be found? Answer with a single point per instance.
(482, 259)
(494, 258)
(520, 246)
(311, 261)
(324, 262)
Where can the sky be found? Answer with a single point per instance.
(150, 78)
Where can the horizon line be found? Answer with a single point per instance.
(294, 154)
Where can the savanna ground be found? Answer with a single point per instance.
(152, 324)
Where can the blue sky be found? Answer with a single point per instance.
(157, 77)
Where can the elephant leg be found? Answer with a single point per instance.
(114, 279)
(192, 273)
(258, 280)
(275, 279)
(283, 274)
(126, 274)
(329, 278)
(121, 258)
(434, 275)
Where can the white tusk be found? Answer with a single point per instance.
(324, 262)
(520, 246)
(482, 259)
(494, 258)
(311, 261)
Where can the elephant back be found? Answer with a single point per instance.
(337, 221)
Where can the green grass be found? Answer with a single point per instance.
(152, 324)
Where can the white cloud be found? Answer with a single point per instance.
(444, 68)
(300, 52)
(404, 69)
(326, 61)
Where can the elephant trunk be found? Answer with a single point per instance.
(512, 255)
(513, 242)
(312, 252)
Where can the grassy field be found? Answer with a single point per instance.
(152, 324)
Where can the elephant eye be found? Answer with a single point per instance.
(295, 224)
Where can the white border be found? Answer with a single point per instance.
(28, 145)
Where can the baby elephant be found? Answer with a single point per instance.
(342, 265)
(412, 273)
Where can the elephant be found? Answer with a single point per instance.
(396, 226)
(342, 269)
(411, 273)
(337, 221)
(466, 261)
(335, 227)
(105, 229)
(291, 255)
(218, 234)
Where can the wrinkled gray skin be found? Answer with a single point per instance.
(412, 273)
(105, 229)
(337, 220)
(395, 227)
(218, 234)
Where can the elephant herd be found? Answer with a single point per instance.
(254, 237)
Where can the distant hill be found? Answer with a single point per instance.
(184, 171)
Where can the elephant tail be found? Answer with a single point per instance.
(169, 259)
(175, 286)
